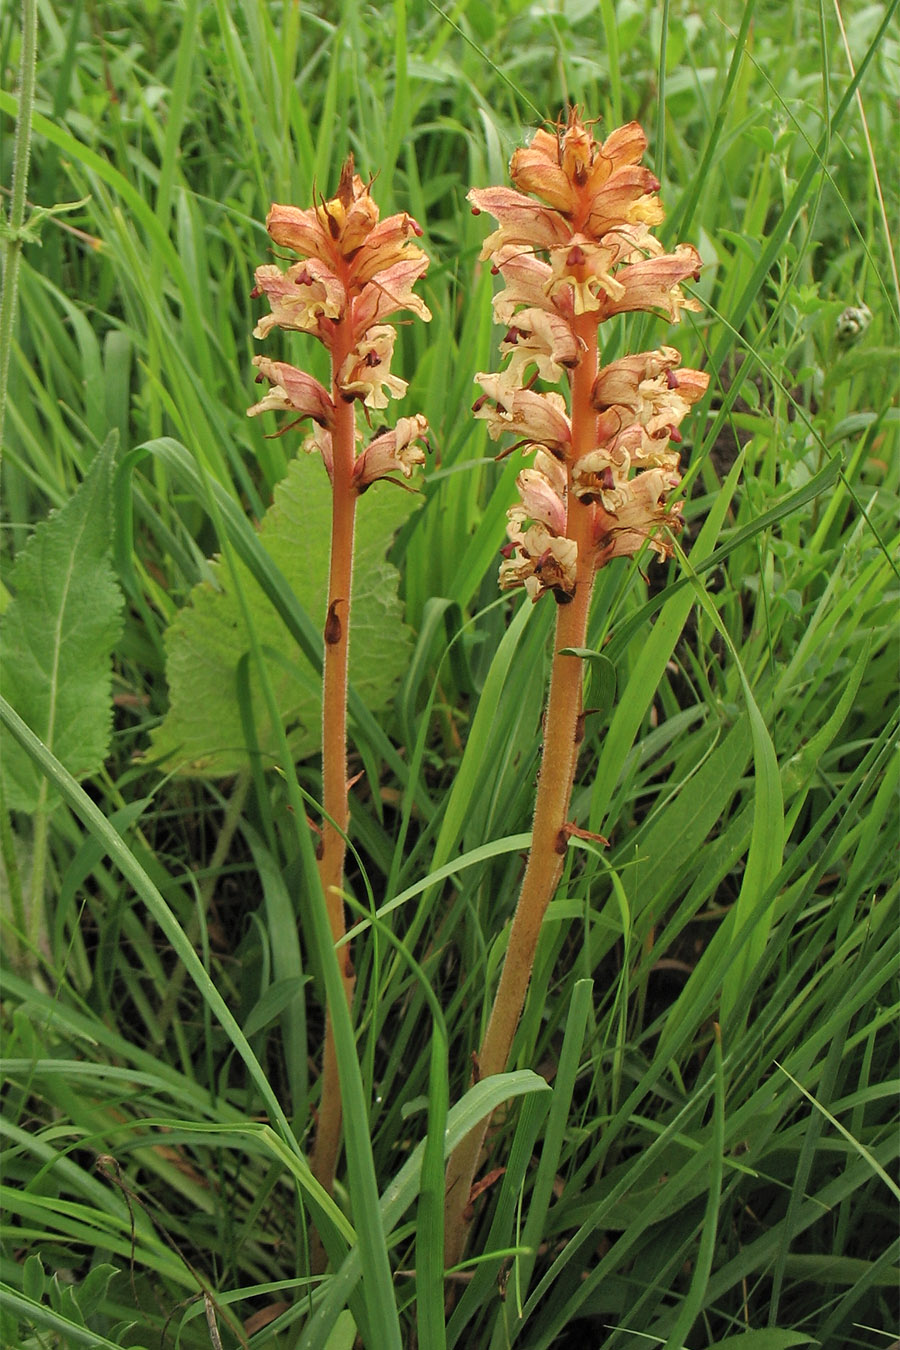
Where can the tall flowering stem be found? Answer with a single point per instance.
(603, 473)
(354, 272)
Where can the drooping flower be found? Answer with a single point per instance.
(647, 517)
(390, 291)
(292, 390)
(522, 223)
(542, 495)
(527, 282)
(621, 381)
(541, 562)
(654, 283)
(585, 267)
(538, 555)
(393, 451)
(542, 339)
(540, 419)
(300, 298)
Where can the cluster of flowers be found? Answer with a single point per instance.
(581, 254)
(356, 271)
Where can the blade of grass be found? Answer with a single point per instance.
(767, 837)
(509, 1323)
(855, 1144)
(651, 662)
(692, 1305)
(480, 1101)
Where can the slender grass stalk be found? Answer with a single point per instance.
(9, 292)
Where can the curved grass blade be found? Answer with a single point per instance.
(116, 848)
(480, 1101)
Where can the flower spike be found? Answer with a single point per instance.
(352, 272)
(573, 247)
(579, 255)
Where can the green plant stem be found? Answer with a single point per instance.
(14, 932)
(334, 746)
(36, 932)
(562, 734)
(9, 294)
(12, 251)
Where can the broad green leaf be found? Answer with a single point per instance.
(57, 637)
(207, 641)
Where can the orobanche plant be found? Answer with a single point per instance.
(574, 247)
(354, 272)
(603, 476)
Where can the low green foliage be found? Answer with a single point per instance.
(58, 633)
(699, 1136)
(203, 731)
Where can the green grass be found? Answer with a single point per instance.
(714, 1013)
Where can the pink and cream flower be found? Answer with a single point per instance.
(292, 390)
(366, 372)
(540, 419)
(541, 562)
(647, 517)
(396, 451)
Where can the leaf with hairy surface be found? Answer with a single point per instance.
(206, 643)
(57, 637)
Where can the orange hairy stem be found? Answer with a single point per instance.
(548, 842)
(354, 272)
(334, 745)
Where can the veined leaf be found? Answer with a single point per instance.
(57, 637)
(207, 641)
